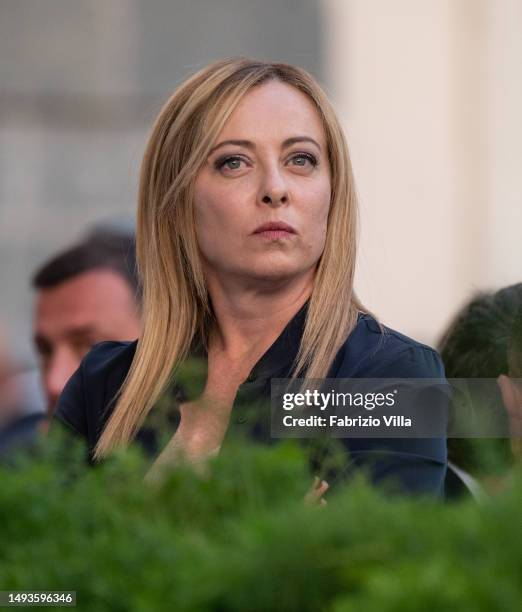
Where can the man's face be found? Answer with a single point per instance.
(69, 318)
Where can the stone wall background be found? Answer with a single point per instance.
(80, 84)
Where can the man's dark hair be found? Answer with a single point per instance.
(485, 338)
(103, 250)
(515, 347)
(484, 341)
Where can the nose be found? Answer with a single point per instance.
(59, 369)
(273, 189)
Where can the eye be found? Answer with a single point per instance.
(302, 160)
(231, 162)
(43, 348)
(82, 347)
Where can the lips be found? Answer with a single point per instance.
(275, 226)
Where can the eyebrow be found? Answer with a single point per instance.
(81, 332)
(250, 145)
(75, 333)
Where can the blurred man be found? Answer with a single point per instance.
(86, 294)
(10, 393)
(485, 341)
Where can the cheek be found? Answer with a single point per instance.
(217, 212)
(315, 220)
(316, 209)
(203, 208)
(208, 214)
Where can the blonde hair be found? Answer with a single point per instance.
(175, 299)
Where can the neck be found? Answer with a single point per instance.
(250, 318)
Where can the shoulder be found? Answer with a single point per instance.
(374, 351)
(107, 361)
(377, 351)
(83, 402)
(104, 357)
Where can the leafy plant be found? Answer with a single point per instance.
(241, 538)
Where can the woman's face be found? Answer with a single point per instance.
(269, 164)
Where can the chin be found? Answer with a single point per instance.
(276, 270)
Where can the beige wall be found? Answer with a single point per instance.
(429, 92)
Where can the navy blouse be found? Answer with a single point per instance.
(416, 465)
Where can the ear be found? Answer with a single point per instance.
(512, 399)
(511, 396)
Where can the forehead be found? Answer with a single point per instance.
(274, 109)
(88, 297)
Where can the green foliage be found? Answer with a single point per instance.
(482, 457)
(241, 538)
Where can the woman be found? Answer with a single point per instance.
(246, 241)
